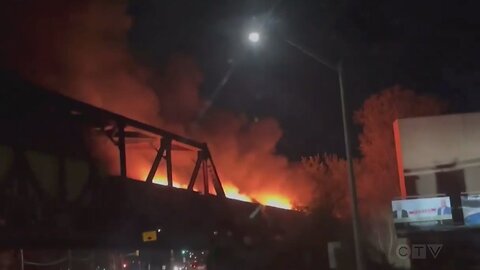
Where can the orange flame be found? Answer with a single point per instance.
(233, 192)
(161, 179)
(275, 200)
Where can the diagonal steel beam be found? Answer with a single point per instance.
(156, 161)
(198, 163)
(168, 159)
(215, 179)
(121, 148)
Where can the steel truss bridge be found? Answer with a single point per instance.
(54, 194)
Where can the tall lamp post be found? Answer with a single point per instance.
(254, 37)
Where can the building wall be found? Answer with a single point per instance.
(433, 150)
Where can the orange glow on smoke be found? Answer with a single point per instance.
(244, 151)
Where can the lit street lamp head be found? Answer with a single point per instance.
(254, 37)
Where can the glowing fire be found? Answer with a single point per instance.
(275, 201)
(162, 180)
(233, 192)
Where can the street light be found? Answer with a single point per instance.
(338, 68)
(254, 37)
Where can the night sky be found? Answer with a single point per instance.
(429, 46)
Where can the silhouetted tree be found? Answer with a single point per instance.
(331, 190)
(378, 182)
(376, 170)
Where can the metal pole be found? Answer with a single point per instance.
(351, 172)
(69, 259)
(22, 260)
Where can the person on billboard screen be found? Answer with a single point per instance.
(399, 212)
(444, 209)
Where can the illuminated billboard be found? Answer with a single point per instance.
(471, 209)
(422, 211)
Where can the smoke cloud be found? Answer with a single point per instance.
(79, 48)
